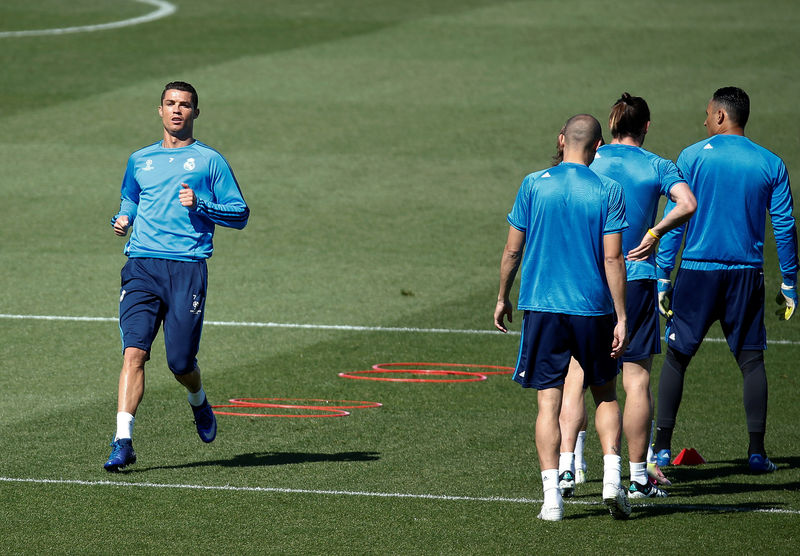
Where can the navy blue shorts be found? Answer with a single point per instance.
(643, 326)
(550, 339)
(735, 298)
(156, 291)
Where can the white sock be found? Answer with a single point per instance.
(612, 469)
(566, 462)
(579, 443)
(638, 472)
(124, 425)
(651, 456)
(197, 398)
(552, 494)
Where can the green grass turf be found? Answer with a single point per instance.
(379, 145)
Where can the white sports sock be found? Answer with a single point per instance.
(124, 425)
(566, 462)
(552, 494)
(638, 472)
(651, 456)
(612, 469)
(197, 398)
(580, 461)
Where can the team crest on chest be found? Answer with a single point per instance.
(148, 165)
(189, 164)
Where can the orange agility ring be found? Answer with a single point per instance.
(427, 370)
(327, 410)
(495, 369)
(473, 377)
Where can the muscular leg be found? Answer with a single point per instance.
(548, 438)
(608, 422)
(131, 380)
(548, 434)
(607, 419)
(638, 410)
(573, 408)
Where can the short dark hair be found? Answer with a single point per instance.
(181, 86)
(629, 117)
(582, 130)
(735, 102)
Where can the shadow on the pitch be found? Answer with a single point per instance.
(672, 505)
(267, 459)
(701, 489)
(729, 477)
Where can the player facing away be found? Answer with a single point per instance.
(173, 194)
(736, 183)
(566, 233)
(644, 177)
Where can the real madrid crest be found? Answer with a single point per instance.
(189, 164)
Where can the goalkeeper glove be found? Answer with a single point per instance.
(787, 299)
(664, 292)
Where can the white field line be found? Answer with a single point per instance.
(441, 497)
(341, 327)
(163, 9)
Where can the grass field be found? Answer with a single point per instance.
(379, 145)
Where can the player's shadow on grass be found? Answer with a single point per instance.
(267, 459)
(730, 477)
(713, 488)
(648, 509)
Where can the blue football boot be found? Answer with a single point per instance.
(122, 455)
(205, 421)
(761, 464)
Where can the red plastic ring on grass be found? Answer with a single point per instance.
(504, 371)
(473, 377)
(252, 402)
(328, 411)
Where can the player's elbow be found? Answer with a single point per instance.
(512, 253)
(614, 259)
(688, 206)
(240, 222)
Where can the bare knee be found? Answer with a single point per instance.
(134, 358)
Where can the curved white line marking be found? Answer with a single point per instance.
(163, 10)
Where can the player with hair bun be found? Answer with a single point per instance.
(644, 177)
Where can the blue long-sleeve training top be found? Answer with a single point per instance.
(736, 183)
(161, 227)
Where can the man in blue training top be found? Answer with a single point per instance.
(736, 182)
(173, 193)
(566, 231)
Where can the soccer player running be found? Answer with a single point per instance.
(173, 193)
(566, 232)
(644, 177)
(736, 183)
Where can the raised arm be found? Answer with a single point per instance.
(683, 207)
